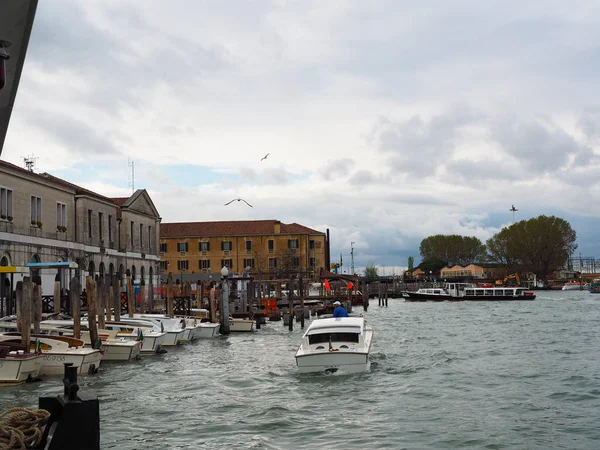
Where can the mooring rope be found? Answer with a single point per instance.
(21, 428)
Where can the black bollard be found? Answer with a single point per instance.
(74, 422)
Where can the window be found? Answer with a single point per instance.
(36, 209)
(163, 247)
(89, 223)
(61, 215)
(164, 266)
(227, 263)
(6, 211)
(226, 246)
(110, 226)
(131, 230)
(204, 246)
(204, 263)
(311, 262)
(100, 230)
(182, 247)
(311, 244)
(272, 263)
(182, 265)
(295, 262)
(249, 262)
(271, 244)
(150, 238)
(293, 243)
(141, 235)
(248, 247)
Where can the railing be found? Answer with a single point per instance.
(182, 305)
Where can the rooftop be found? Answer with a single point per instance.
(231, 228)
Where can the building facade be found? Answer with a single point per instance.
(47, 219)
(260, 248)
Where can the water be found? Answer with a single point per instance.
(503, 375)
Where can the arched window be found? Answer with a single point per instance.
(132, 273)
(142, 274)
(102, 270)
(91, 268)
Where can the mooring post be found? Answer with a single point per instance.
(18, 306)
(170, 296)
(57, 292)
(130, 296)
(224, 308)
(27, 287)
(365, 294)
(386, 294)
(213, 303)
(290, 287)
(116, 298)
(37, 307)
(92, 310)
(301, 292)
(143, 296)
(75, 300)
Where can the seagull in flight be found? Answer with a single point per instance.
(265, 157)
(239, 199)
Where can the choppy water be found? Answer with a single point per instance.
(513, 375)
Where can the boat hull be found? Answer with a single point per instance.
(172, 338)
(347, 362)
(54, 363)
(120, 350)
(206, 330)
(415, 297)
(241, 325)
(19, 368)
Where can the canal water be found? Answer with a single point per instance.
(501, 375)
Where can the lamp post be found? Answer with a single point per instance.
(225, 301)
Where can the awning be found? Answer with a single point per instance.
(53, 265)
(14, 269)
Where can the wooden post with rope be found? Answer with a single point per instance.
(130, 296)
(36, 307)
(57, 293)
(100, 302)
(170, 296)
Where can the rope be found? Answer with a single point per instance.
(21, 428)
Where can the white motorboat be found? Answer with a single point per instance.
(56, 351)
(332, 344)
(113, 347)
(175, 329)
(202, 330)
(17, 366)
(238, 325)
(148, 333)
(575, 286)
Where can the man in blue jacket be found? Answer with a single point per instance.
(339, 310)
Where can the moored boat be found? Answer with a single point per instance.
(456, 292)
(16, 366)
(574, 286)
(333, 344)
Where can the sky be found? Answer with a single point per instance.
(385, 121)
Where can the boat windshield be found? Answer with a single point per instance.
(335, 337)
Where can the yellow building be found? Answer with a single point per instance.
(259, 247)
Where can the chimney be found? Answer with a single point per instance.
(277, 227)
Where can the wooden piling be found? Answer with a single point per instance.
(36, 310)
(92, 310)
(150, 304)
(170, 296)
(301, 292)
(57, 293)
(224, 307)
(365, 294)
(290, 287)
(143, 297)
(386, 294)
(100, 302)
(75, 300)
(130, 296)
(213, 304)
(116, 297)
(18, 305)
(106, 299)
(26, 311)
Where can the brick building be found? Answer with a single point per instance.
(265, 248)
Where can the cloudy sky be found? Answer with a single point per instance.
(386, 121)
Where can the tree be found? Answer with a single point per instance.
(432, 265)
(540, 245)
(371, 273)
(411, 264)
(453, 249)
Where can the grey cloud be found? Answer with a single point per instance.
(362, 177)
(247, 174)
(338, 168)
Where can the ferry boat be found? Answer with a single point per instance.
(333, 344)
(458, 292)
(574, 286)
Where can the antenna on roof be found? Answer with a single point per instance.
(30, 162)
(132, 179)
(513, 209)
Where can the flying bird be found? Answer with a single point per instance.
(239, 199)
(265, 157)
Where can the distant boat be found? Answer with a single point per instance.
(458, 292)
(574, 286)
(595, 286)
